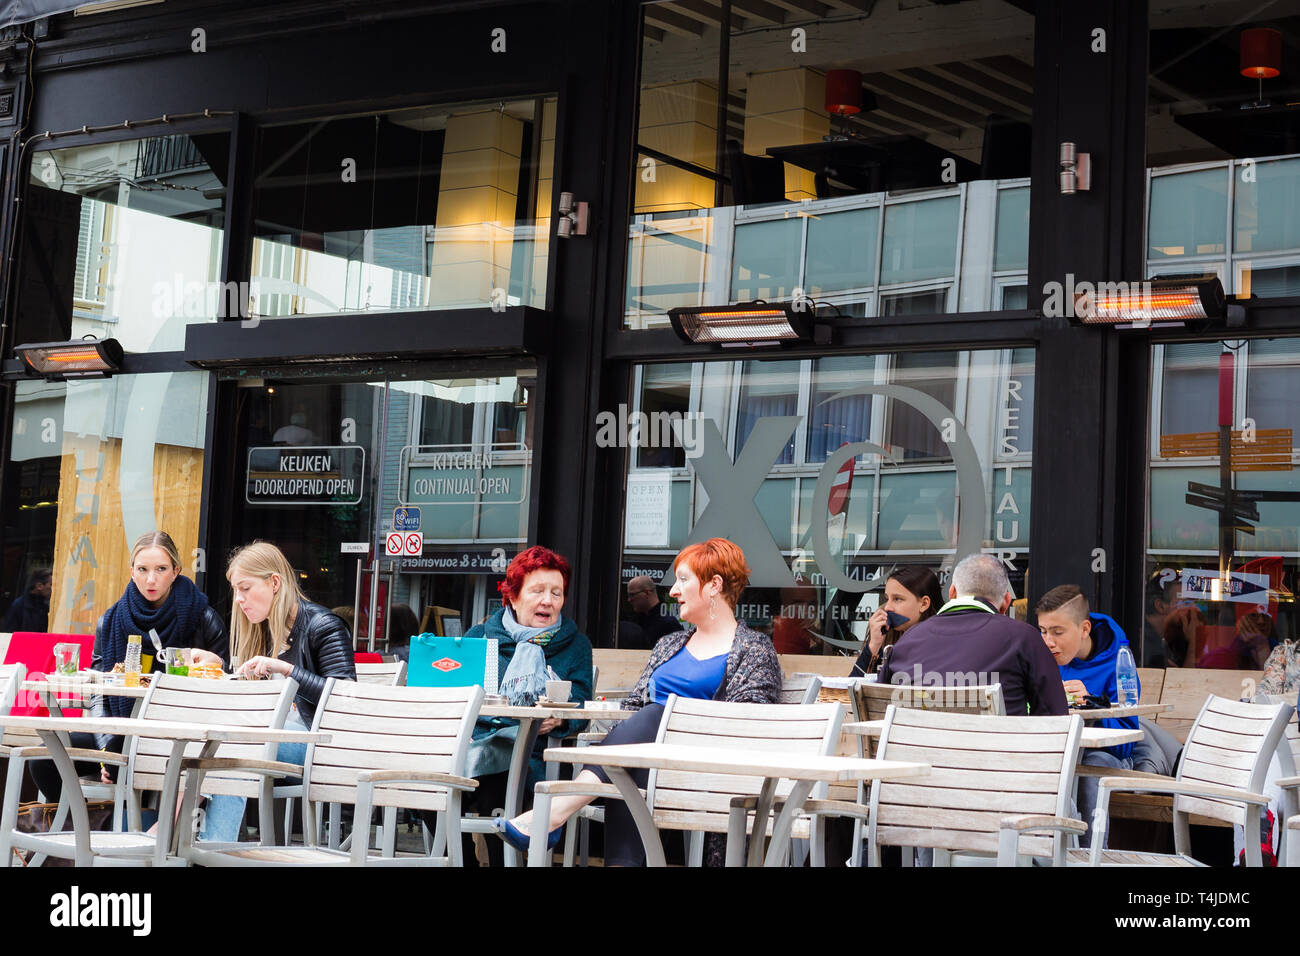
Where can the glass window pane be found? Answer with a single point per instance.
(1270, 283)
(769, 389)
(766, 264)
(835, 423)
(1189, 214)
(1190, 393)
(917, 510)
(910, 435)
(1264, 215)
(443, 207)
(665, 399)
(95, 464)
(841, 251)
(1273, 384)
(1015, 297)
(1018, 409)
(124, 240)
(920, 240)
(930, 302)
(1011, 248)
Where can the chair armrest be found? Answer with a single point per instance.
(574, 787)
(1012, 828)
(1087, 770)
(1036, 822)
(590, 737)
(1288, 783)
(266, 768)
(1186, 788)
(21, 754)
(391, 777)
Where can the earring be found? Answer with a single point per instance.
(712, 601)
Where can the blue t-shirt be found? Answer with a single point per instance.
(684, 675)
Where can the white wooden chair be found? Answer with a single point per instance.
(390, 747)
(392, 673)
(388, 674)
(871, 701)
(699, 805)
(1220, 776)
(988, 772)
(799, 689)
(169, 699)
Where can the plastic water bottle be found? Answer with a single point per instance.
(1126, 677)
(131, 665)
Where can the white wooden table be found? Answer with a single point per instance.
(517, 779)
(53, 732)
(58, 690)
(1090, 738)
(803, 769)
(1121, 710)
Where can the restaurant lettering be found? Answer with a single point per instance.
(305, 476)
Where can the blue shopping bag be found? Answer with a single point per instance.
(436, 661)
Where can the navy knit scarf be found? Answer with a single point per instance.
(175, 620)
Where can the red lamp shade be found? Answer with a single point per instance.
(844, 92)
(1261, 53)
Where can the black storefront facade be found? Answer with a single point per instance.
(337, 269)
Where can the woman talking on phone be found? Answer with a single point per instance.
(912, 594)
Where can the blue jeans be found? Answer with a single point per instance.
(225, 812)
(1088, 785)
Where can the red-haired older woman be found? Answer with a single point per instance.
(533, 593)
(719, 659)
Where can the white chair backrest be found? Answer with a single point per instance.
(391, 673)
(984, 767)
(873, 700)
(692, 801)
(800, 689)
(1231, 744)
(11, 679)
(378, 727)
(235, 703)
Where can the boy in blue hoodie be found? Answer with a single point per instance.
(1085, 647)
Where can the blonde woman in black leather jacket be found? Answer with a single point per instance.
(276, 631)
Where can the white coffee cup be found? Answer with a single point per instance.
(558, 689)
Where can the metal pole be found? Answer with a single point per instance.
(724, 80)
(356, 603)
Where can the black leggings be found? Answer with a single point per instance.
(46, 775)
(623, 845)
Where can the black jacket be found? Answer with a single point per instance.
(28, 613)
(324, 650)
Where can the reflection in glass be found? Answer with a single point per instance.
(440, 207)
(124, 240)
(93, 466)
(883, 511)
(871, 113)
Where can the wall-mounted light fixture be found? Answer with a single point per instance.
(1076, 170)
(1186, 299)
(748, 324)
(89, 358)
(573, 217)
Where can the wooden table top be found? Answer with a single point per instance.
(1091, 737)
(564, 713)
(80, 687)
(1118, 710)
(760, 763)
(166, 729)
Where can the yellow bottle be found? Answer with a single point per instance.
(132, 663)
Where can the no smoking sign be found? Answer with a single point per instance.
(409, 545)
